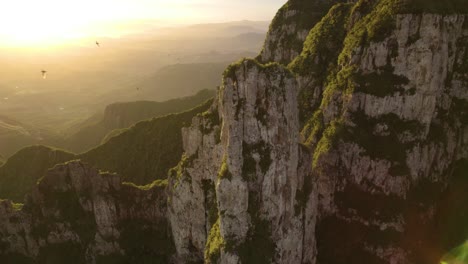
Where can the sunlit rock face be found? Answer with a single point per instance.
(243, 176)
(261, 195)
(192, 194)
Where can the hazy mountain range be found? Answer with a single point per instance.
(83, 79)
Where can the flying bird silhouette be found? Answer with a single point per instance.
(98, 44)
(44, 74)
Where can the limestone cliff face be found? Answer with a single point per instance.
(387, 135)
(192, 194)
(263, 174)
(238, 194)
(351, 147)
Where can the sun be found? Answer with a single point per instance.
(35, 22)
(43, 31)
(47, 22)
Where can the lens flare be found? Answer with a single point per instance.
(458, 255)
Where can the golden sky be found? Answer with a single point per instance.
(47, 22)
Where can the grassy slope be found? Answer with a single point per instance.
(22, 170)
(146, 151)
(124, 115)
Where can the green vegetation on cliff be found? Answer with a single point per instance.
(214, 244)
(321, 49)
(379, 19)
(332, 43)
(270, 67)
(308, 13)
(224, 172)
(323, 43)
(385, 136)
(302, 15)
(364, 23)
(372, 27)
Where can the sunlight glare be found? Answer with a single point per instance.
(46, 22)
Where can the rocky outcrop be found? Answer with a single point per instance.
(290, 28)
(262, 167)
(17, 179)
(192, 194)
(80, 215)
(239, 193)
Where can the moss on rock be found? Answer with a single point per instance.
(214, 244)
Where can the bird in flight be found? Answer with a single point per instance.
(44, 74)
(98, 44)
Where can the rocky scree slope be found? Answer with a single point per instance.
(355, 152)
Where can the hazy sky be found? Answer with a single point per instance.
(35, 21)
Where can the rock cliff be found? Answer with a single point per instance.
(346, 144)
(290, 28)
(80, 215)
(387, 128)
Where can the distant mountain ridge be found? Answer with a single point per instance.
(83, 79)
(124, 115)
(79, 136)
(226, 29)
(173, 81)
